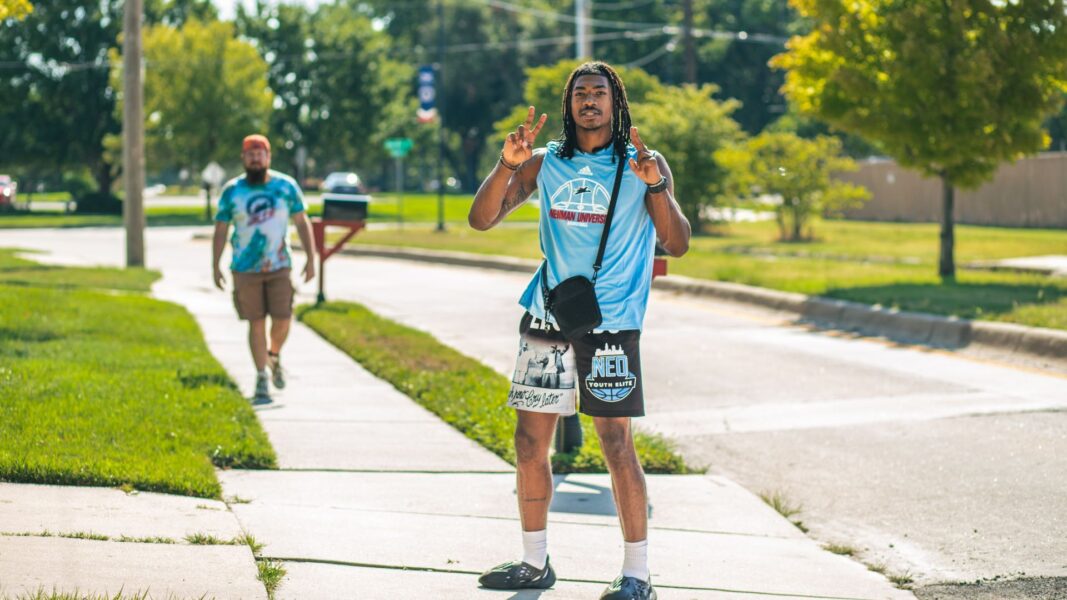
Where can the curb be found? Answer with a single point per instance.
(897, 325)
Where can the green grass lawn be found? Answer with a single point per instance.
(154, 215)
(892, 264)
(102, 385)
(462, 391)
(422, 208)
(417, 208)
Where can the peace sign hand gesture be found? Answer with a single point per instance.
(518, 147)
(646, 166)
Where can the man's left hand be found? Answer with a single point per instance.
(646, 166)
(309, 271)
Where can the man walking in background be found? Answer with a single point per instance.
(260, 204)
(574, 175)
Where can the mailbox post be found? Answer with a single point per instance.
(348, 211)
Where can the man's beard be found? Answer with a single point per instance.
(255, 175)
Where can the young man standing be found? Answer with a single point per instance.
(259, 205)
(575, 175)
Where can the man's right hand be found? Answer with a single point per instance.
(518, 147)
(220, 281)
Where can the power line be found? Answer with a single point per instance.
(453, 49)
(740, 36)
(658, 52)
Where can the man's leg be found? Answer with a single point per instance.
(533, 436)
(257, 342)
(279, 332)
(627, 477)
(631, 500)
(279, 299)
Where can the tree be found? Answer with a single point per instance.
(59, 95)
(799, 171)
(1057, 130)
(739, 66)
(952, 88)
(687, 124)
(485, 56)
(334, 82)
(176, 12)
(204, 91)
(14, 9)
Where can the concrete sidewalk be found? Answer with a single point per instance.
(377, 498)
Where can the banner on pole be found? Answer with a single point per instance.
(427, 91)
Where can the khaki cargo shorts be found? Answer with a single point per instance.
(256, 295)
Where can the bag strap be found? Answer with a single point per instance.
(603, 236)
(607, 218)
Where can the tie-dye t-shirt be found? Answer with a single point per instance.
(260, 216)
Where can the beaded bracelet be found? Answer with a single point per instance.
(506, 164)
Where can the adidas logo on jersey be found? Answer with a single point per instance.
(585, 171)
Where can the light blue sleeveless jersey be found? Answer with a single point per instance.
(575, 194)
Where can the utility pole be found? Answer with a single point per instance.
(584, 46)
(441, 115)
(690, 46)
(133, 135)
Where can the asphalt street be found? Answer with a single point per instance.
(940, 466)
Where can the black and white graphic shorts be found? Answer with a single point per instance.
(603, 368)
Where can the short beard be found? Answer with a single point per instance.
(255, 176)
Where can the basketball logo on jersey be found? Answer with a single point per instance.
(610, 378)
(580, 201)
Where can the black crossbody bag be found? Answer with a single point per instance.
(573, 302)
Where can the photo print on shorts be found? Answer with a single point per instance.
(544, 378)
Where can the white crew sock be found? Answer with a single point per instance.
(535, 548)
(262, 374)
(635, 560)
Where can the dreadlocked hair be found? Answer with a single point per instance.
(620, 112)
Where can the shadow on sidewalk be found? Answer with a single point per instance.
(588, 500)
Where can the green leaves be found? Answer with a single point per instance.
(687, 125)
(14, 9)
(797, 170)
(204, 91)
(951, 88)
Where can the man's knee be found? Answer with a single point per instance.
(616, 440)
(529, 448)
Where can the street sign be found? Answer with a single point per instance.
(398, 147)
(213, 174)
(427, 92)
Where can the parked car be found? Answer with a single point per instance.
(8, 187)
(344, 197)
(343, 183)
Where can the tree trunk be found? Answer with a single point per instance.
(947, 264)
(798, 223)
(103, 176)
